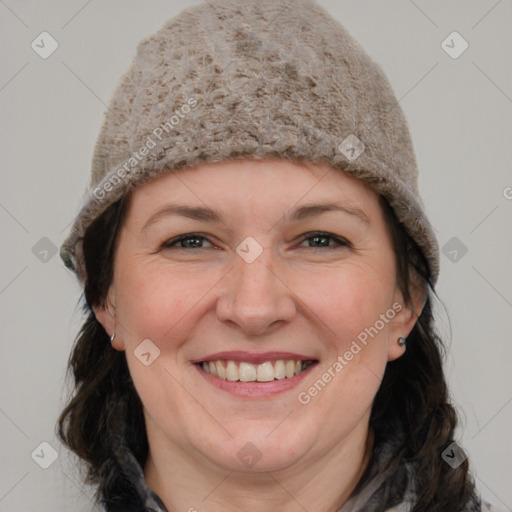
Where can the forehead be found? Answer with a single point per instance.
(254, 184)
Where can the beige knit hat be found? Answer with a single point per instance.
(260, 79)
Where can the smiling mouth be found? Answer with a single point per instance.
(267, 371)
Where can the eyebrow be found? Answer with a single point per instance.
(206, 214)
(312, 210)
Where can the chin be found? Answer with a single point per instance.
(261, 450)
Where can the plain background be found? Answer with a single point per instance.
(459, 112)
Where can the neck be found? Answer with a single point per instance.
(184, 483)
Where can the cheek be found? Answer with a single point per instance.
(358, 296)
(350, 298)
(158, 304)
(155, 302)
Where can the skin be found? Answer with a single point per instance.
(297, 296)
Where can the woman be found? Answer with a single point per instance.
(258, 273)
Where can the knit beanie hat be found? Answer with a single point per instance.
(260, 79)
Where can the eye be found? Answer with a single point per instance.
(317, 240)
(321, 240)
(186, 241)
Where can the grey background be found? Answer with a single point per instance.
(459, 111)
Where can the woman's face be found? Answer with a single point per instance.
(258, 269)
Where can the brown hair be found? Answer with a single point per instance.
(412, 400)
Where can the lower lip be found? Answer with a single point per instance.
(256, 389)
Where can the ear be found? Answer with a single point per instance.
(405, 319)
(106, 316)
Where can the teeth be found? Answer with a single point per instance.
(290, 368)
(265, 372)
(248, 372)
(213, 369)
(221, 371)
(232, 371)
(279, 371)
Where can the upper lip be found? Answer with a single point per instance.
(253, 357)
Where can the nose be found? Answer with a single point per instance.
(255, 298)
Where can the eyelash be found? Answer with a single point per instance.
(314, 234)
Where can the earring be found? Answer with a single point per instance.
(402, 341)
(112, 337)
